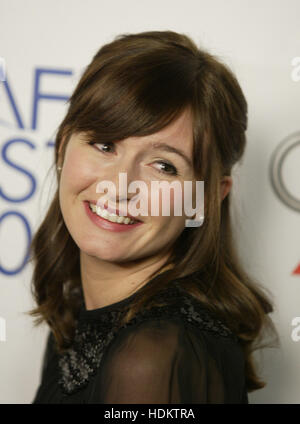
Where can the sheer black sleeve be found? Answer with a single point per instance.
(162, 361)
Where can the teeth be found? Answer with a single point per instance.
(110, 216)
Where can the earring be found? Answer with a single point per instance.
(59, 168)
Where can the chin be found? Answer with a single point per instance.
(105, 254)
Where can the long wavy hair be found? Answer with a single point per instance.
(135, 86)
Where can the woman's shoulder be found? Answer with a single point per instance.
(171, 304)
(178, 345)
(172, 307)
(175, 322)
(175, 307)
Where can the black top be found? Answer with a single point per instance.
(179, 353)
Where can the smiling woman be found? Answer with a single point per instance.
(141, 308)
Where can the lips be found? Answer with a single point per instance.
(117, 211)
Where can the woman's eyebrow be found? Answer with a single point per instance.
(167, 148)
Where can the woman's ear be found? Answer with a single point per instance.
(226, 185)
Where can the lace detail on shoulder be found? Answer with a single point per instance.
(82, 360)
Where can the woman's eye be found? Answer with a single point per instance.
(103, 144)
(168, 166)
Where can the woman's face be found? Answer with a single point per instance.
(86, 165)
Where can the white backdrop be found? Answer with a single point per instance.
(45, 45)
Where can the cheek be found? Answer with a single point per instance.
(169, 207)
(75, 173)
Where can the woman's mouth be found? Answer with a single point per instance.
(109, 221)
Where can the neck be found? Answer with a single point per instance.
(105, 283)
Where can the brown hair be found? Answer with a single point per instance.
(135, 86)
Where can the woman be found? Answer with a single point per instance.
(148, 310)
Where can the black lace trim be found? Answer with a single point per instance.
(81, 361)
